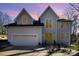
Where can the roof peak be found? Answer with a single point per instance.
(49, 8)
(23, 11)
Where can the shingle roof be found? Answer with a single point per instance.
(64, 20)
(49, 8)
(23, 11)
(34, 24)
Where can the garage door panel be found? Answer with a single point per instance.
(25, 39)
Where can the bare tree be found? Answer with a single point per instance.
(75, 6)
(72, 13)
(69, 14)
(4, 19)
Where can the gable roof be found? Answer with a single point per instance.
(23, 11)
(48, 8)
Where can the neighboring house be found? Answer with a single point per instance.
(49, 28)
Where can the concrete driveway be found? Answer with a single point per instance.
(13, 51)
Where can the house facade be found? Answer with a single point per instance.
(49, 28)
(49, 19)
(64, 28)
(23, 32)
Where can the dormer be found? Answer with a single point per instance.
(23, 18)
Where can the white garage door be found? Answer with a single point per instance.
(28, 40)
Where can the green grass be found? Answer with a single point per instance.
(75, 47)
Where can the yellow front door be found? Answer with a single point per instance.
(48, 37)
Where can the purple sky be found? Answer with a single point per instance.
(34, 9)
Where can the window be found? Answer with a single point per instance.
(67, 35)
(62, 35)
(23, 18)
(62, 24)
(48, 24)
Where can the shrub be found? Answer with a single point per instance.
(75, 47)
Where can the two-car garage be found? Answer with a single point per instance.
(25, 31)
(25, 39)
(25, 35)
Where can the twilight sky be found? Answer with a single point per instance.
(34, 9)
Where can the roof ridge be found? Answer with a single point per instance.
(49, 7)
(22, 10)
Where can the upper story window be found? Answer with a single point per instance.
(62, 24)
(23, 18)
(48, 24)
